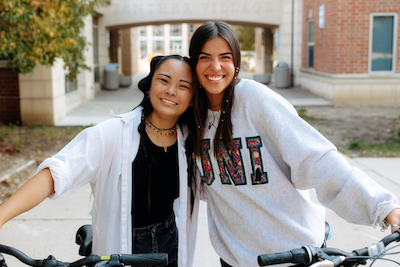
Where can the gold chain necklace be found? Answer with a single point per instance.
(158, 130)
(215, 105)
(165, 144)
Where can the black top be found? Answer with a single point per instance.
(157, 174)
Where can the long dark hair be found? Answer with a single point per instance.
(205, 32)
(144, 86)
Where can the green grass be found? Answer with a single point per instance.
(303, 113)
(360, 148)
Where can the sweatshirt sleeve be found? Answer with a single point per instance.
(77, 163)
(309, 160)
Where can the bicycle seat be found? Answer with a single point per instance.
(84, 239)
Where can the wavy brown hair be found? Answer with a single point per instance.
(205, 32)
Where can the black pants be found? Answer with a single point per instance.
(158, 238)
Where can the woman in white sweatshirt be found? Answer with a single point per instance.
(131, 163)
(254, 155)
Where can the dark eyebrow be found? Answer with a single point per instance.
(186, 82)
(223, 54)
(166, 75)
(204, 53)
(227, 53)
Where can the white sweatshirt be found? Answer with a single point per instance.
(254, 196)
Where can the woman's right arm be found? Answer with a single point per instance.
(33, 192)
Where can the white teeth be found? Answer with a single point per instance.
(214, 78)
(169, 102)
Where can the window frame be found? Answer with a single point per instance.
(158, 30)
(394, 45)
(96, 49)
(70, 86)
(175, 30)
(142, 31)
(161, 46)
(310, 43)
(143, 48)
(171, 46)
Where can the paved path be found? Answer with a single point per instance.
(50, 228)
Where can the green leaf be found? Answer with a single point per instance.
(39, 31)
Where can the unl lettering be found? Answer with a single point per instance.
(258, 176)
(231, 164)
(208, 177)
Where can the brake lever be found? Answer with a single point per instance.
(326, 260)
(335, 261)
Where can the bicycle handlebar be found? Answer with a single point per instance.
(308, 255)
(298, 255)
(112, 260)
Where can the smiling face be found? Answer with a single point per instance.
(171, 91)
(215, 69)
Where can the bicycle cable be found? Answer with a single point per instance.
(378, 257)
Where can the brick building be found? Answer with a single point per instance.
(350, 51)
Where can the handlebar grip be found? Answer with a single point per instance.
(302, 255)
(275, 258)
(145, 259)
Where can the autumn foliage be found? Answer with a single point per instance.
(36, 32)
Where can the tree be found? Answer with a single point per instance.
(36, 32)
(246, 37)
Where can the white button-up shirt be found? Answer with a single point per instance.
(102, 155)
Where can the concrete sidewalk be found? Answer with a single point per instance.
(50, 228)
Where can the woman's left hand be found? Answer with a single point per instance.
(393, 219)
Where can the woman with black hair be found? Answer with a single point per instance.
(131, 163)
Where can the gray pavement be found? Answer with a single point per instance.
(50, 227)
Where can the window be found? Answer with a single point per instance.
(175, 47)
(143, 48)
(158, 30)
(96, 49)
(158, 47)
(143, 32)
(191, 28)
(175, 30)
(70, 86)
(310, 44)
(383, 42)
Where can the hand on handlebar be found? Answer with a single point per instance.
(393, 219)
(330, 257)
